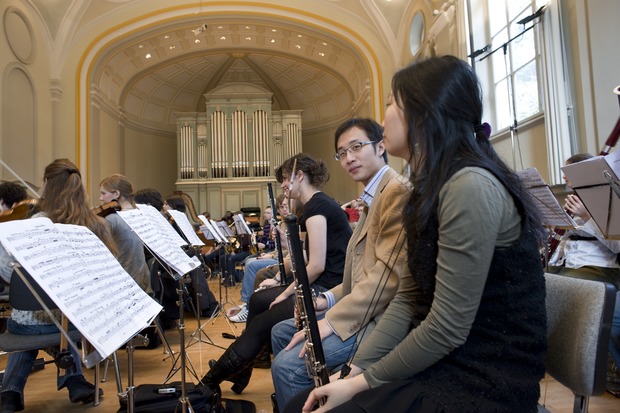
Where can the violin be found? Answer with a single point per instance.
(106, 209)
(21, 210)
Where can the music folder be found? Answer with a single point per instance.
(595, 181)
(551, 212)
(80, 274)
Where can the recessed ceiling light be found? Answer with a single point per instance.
(172, 47)
(297, 46)
(324, 44)
(220, 27)
(248, 38)
(274, 30)
(141, 46)
(148, 56)
(197, 41)
(321, 54)
(247, 27)
(223, 38)
(272, 41)
(166, 37)
(299, 35)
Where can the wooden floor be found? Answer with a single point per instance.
(152, 367)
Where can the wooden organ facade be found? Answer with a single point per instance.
(226, 155)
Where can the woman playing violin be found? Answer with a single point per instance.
(118, 188)
(64, 201)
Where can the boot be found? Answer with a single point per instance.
(229, 367)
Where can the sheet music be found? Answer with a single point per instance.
(83, 278)
(184, 225)
(222, 228)
(551, 212)
(241, 226)
(591, 181)
(208, 230)
(162, 223)
(156, 240)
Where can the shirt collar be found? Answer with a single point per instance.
(369, 190)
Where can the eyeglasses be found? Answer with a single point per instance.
(356, 147)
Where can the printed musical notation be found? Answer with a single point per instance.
(157, 219)
(184, 225)
(551, 212)
(158, 240)
(83, 278)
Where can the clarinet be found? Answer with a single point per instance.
(278, 241)
(315, 358)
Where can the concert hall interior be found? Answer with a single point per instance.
(206, 98)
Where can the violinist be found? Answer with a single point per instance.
(585, 253)
(64, 201)
(11, 193)
(118, 188)
(150, 196)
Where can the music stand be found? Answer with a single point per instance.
(216, 231)
(595, 181)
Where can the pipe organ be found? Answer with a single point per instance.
(227, 154)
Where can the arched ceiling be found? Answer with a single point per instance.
(165, 70)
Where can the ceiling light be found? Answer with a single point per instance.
(172, 47)
(247, 27)
(297, 46)
(220, 27)
(148, 56)
(274, 30)
(272, 41)
(199, 29)
(299, 35)
(141, 46)
(248, 38)
(166, 37)
(324, 43)
(197, 41)
(223, 38)
(321, 54)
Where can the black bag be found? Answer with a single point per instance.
(148, 399)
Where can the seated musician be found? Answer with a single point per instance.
(252, 266)
(241, 250)
(205, 300)
(118, 188)
(64, 200)
(322, 215)
(213, 256)
(466, 331)
(585, 253)
(375, 260)
(11, 193)
(150, 196)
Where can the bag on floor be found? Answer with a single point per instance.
(157, 398)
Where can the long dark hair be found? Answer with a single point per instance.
(442, 104)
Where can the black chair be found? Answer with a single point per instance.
(579, 314)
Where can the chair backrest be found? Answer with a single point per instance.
(579, 314)
(20, 296)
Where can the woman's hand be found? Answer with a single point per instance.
(574, 205)
(335, 393)
(268, 283)
(283, 296)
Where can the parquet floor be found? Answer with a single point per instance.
(152, 366)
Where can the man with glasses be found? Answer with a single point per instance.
(375, 260)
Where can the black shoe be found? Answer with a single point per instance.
(11, 401)
(274, 403)
(80, 390)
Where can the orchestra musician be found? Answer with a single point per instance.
(150, 196)
(585, 253)
(64, 200)
(118, 188)
(11, 193)
(375, 261)
(325, 265)
(466, 330)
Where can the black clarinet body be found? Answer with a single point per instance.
(278, 241)
(315, 358)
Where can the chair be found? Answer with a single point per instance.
(21, 298)
(579, 314)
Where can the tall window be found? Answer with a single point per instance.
(514, 72)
